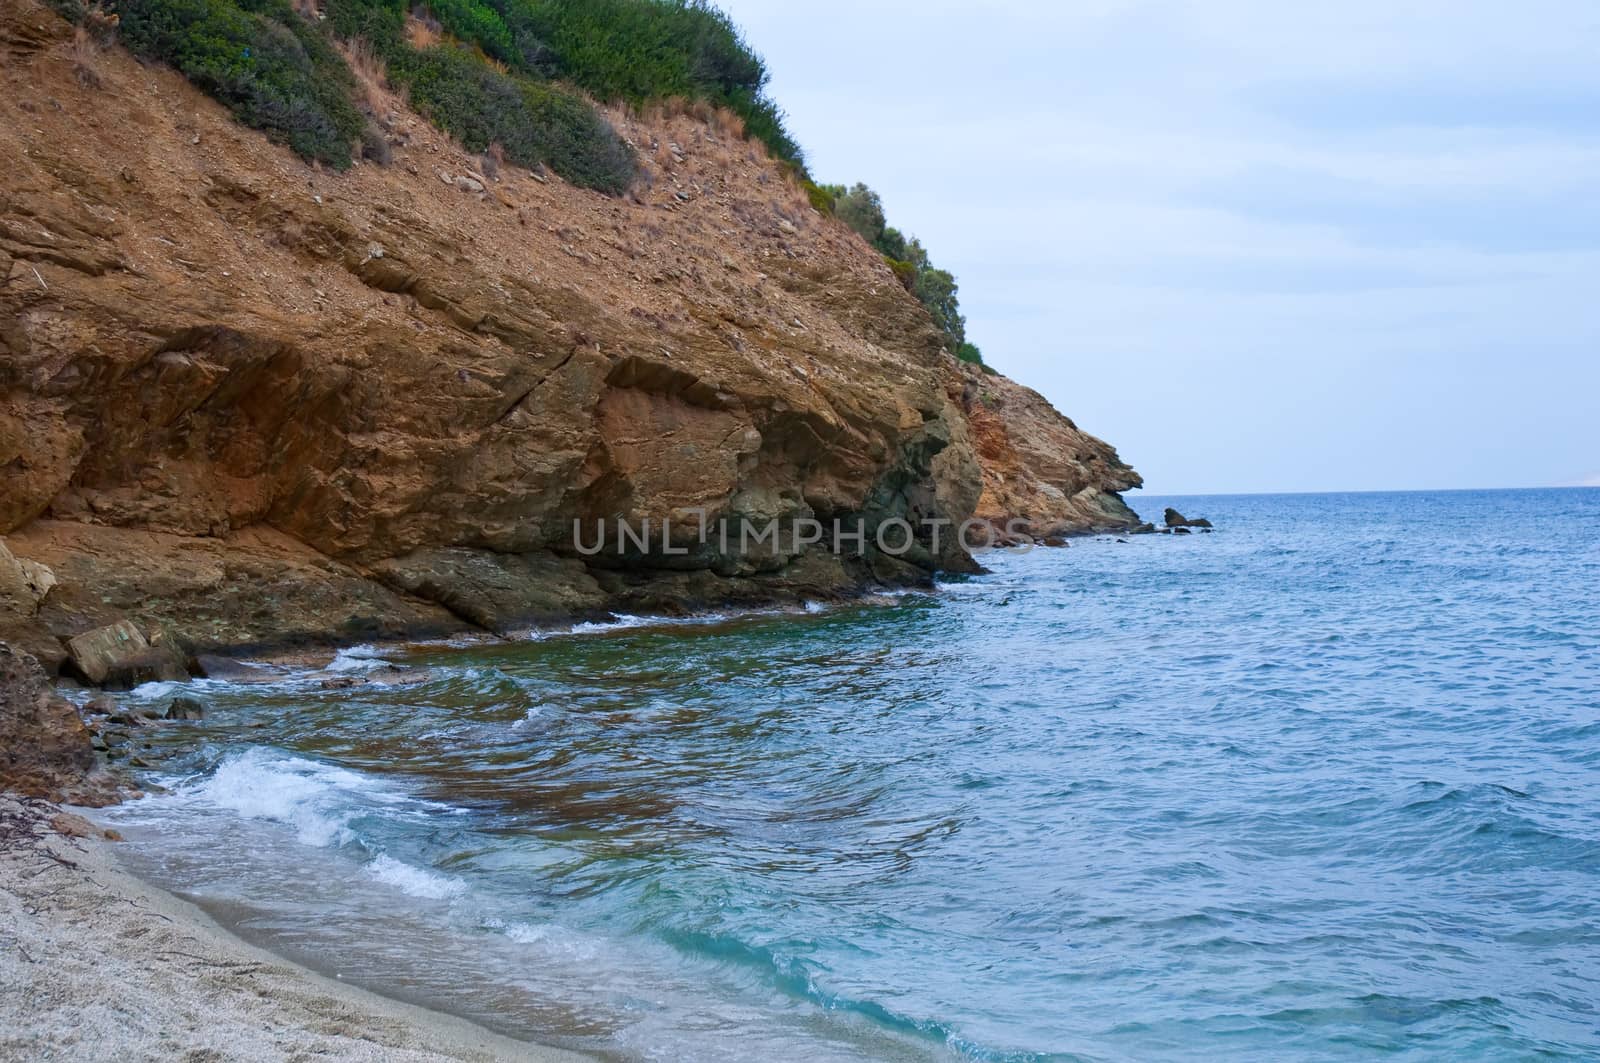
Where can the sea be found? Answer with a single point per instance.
(1321, 785)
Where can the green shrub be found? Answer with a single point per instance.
(71, 10)
(475, 22)
(642, 50)
(375, 145)
(820, 197)
(905, 272)
(533, 123)
(937, 290)
(764, 120)
(968, 352)
(275, 71)
(381, 23)
(860, 208)
(630, 50)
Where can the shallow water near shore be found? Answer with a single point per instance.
(1324, 785)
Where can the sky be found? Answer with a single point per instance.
(1256, 246)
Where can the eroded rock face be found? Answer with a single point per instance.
(44, 746)
(1038, 468)
(500, 593)
(255, 402)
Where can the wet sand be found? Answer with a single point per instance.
(95, 964)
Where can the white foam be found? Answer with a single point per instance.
(358, 659)
(159, 688)
(415, 881)
(312, 798)
(549, 937)
(620, 622)
(814, 607)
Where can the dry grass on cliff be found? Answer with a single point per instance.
(422, 33)
(85, 51)
(377, 97)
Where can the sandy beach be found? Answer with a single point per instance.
(95, 965)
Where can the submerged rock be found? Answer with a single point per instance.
(398, 675)
(342, 682)
(186, 708)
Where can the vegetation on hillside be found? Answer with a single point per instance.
(499, 76)
(486, 71)
(860, 208)
(273, 69)
(633, 51)
(642, 50)
(478, 99)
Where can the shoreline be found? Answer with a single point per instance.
(96, 963)
(279, 660)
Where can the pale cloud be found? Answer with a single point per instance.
(1355, 242)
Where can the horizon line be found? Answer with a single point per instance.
(1361, 491)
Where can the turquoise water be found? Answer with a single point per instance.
(1322, 786)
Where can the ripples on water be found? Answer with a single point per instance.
(1324, 785)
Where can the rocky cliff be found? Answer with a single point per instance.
(253, 402)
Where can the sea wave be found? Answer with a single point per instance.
(415, 881)
(316, 800)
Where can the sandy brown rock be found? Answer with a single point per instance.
(500, 593)
(119, 656)
(256, 589)
(44, 746)
(1038, 468)
(255, 402)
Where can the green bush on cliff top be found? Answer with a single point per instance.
(640, 50)
(274, 70)
(533, 123)
(860, 208)
(616, 50)
(494, 77)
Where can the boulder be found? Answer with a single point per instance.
(497, 592)
(184, 707)
(95, 653)
(1174, 519)
(70, 825)
(23, 583)
(119, 657)
(45, 749)
(216, 666)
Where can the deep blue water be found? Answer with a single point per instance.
(1324, 785)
